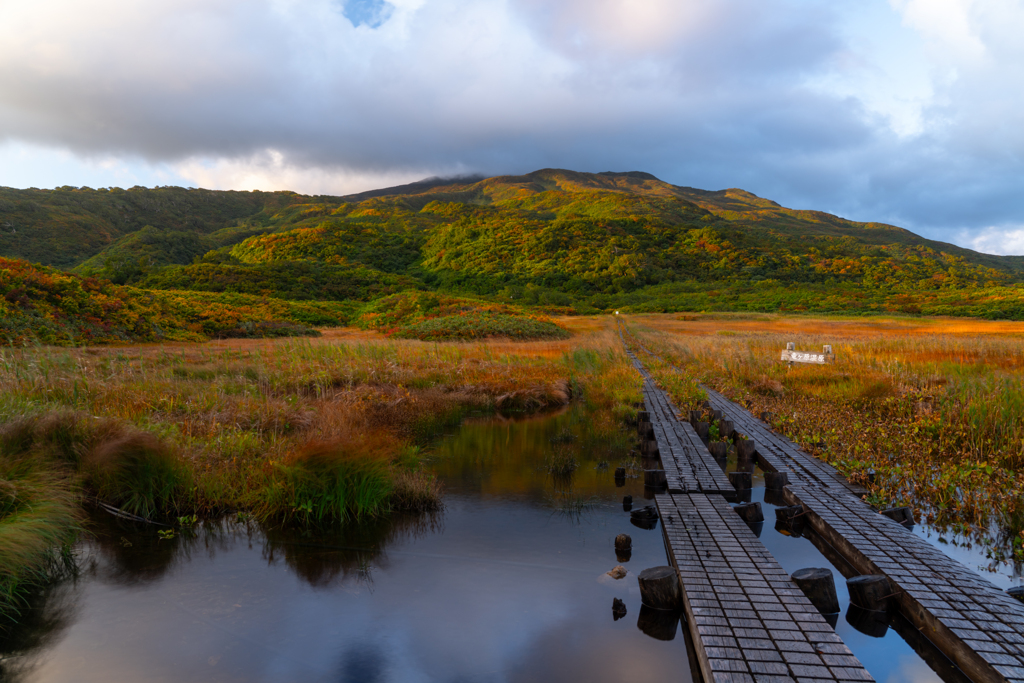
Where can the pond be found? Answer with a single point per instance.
(507, 584)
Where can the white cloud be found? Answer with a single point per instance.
(995, 240)
(908, 111)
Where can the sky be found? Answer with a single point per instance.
(909, 112)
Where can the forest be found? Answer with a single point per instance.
(86, 264)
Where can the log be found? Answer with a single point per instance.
(659, 624)
(655, 479)
(903, 515)
(618, 609)
(868, 622)
(660, 589)
(871, 591)
(819, 587)
(776, 481)
(740, 480)
(750, 512)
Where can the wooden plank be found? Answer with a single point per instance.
(977, 626)
(748, 620)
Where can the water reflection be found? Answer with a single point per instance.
(506, 585)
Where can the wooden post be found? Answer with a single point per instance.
(871, 591)
(695, 416)
(623, 542)
(726, 429)
(655, 479)
(702, 430)
(776, 481)
(819, 587)
(903, 515)
(716, 415)
(750, 512)
(790, 518)
(660, 589)
(620, 472)
(659, 624)
(746, 449)
(868, 622)
(718, 449)
(740, 480)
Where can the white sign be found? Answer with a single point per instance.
(791, 355)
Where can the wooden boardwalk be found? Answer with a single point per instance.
(975, 624)
(979, 627)
(749, 622)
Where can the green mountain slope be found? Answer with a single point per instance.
(552, 237)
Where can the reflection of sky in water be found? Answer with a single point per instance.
(972, 555)
(887, 658)
(505, 589)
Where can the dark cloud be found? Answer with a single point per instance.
(747, 93)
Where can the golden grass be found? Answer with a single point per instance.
(934, 406)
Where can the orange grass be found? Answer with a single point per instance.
(934, 406)
(236, 412)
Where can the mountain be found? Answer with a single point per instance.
(552, 238)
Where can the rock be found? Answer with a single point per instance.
(618, 572)
(618, 609)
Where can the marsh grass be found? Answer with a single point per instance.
(935, 407)
(294, 431)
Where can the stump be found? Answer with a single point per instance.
(750, 512)
(627, 502)
(819, 587)
(645, 430)
(776, 481)
(903, 515)
(868, 622)
(642, 416)
(649, 448)
(660, 589)
(718, 449)
(623, 542)
(871, 592)
(1016, 592)
(659, 624)
(620, 472)
(716, 415)
(655, 479)
(726, 428)
(695, 416)
(702, 430)
(740, 480)
(618, 609)
(746, 449)
(790, 518)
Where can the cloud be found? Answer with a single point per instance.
(902, 111)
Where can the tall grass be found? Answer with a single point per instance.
(935, 408)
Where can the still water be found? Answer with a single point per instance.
(507, 584)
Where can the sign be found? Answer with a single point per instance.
(791, 355)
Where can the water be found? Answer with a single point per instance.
(507, 584)
(885, 653)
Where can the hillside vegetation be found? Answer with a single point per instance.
(585, 242)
